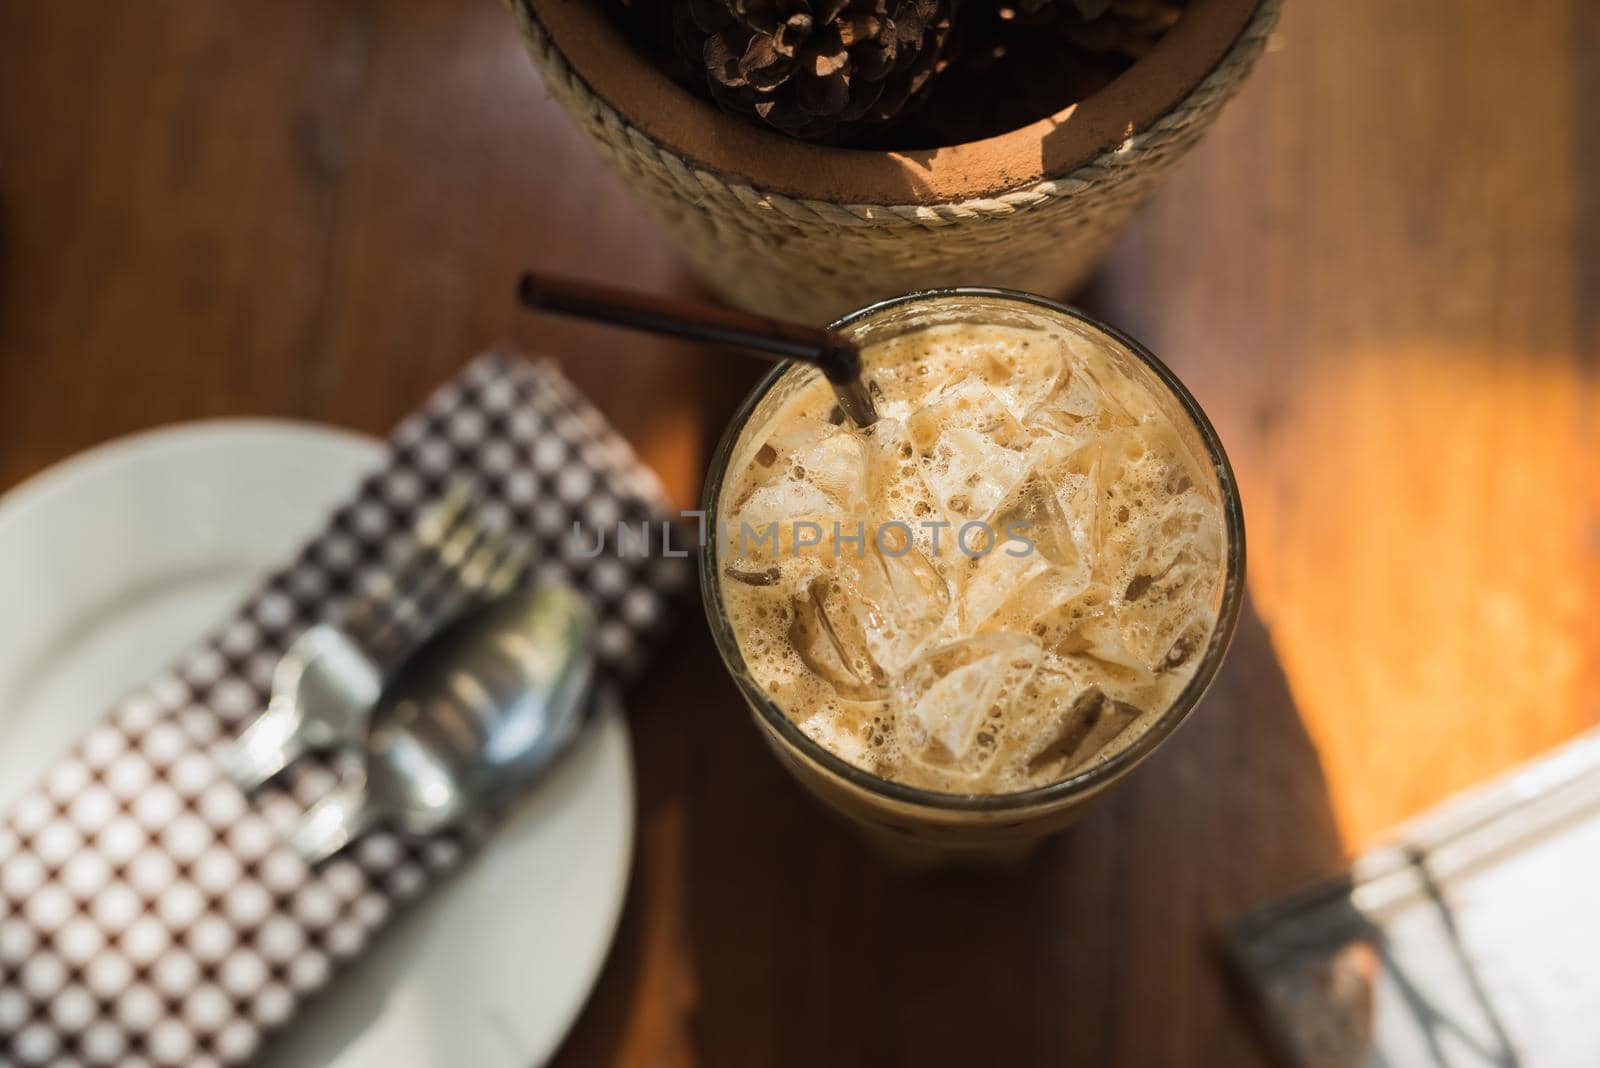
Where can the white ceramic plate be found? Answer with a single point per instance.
(113, 562)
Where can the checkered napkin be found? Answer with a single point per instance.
(150, 913)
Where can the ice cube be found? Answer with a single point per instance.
(1016, 584)
(968, 405)
(1080, 395)
(1072, 470)
(1190, 640)
(827, 632)
(815, 483)
(1087, 626)
(1187, 520)
(901, 597)
(859, 625)
(1022, 375)
(1080, 404)
(782, 500)
(1162, 620)
(989, 581)
(1077, 733)
(1037, 561)
(902, 381)
(791, 435)
(970, 474)
(1090, 476)
(1050, 508)
(834, 732)
(837, 465)
(973, 449)
(827, 461)
(952, 705)
(1170, 562)
(895, 484)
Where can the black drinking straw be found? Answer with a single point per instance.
(834, 354)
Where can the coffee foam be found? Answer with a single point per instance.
(890, 645)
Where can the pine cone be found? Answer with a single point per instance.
(822, 70)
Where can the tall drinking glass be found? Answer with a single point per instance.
(923, 825)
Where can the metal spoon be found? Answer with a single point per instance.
(481, 709)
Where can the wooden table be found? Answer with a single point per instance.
(1381, 275)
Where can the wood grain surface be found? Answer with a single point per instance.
(1380, 274)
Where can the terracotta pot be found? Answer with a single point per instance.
(807, 231)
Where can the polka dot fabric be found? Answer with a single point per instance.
(150, 913)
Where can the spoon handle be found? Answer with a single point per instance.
(267, 746)
(335, 821)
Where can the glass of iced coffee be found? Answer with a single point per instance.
(962, 624)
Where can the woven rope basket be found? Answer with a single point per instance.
(814, 259)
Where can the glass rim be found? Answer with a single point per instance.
(1082, 781)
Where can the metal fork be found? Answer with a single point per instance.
(327, 682)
